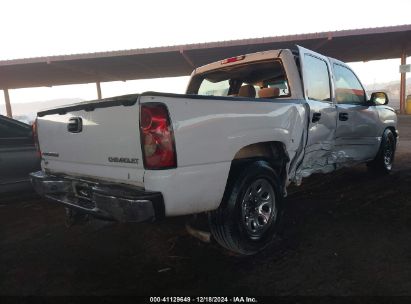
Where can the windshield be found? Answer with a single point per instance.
(264, 79)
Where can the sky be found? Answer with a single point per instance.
(56, 27)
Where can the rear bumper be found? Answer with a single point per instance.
(102, 200)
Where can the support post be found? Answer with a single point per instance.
(187, 59)
(98, 90)
(8, 104)
(403, 82)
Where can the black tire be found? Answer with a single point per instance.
(248, 216)
(382, 163)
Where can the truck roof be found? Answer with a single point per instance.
(231, 61)
(237, 60)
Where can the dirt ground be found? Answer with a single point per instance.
(346, 233)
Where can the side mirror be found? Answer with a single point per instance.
(379, 98)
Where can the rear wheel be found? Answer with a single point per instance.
(385, 157)
(246, 220)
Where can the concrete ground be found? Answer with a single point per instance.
(345, 233)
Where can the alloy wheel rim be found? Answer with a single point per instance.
(258, 208)
(388, 154)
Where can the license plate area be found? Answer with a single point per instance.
(83, 191)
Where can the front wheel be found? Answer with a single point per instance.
(382, 163)
(247, 219)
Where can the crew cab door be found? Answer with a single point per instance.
(318, 156)
(357, 134)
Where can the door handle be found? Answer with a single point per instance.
(316, 117)
(75, 125)
(343, 116)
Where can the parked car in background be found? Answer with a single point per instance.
(18, 155)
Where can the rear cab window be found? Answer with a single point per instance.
(262, 79)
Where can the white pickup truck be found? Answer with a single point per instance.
(246, 128)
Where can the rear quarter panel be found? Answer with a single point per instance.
(208, 133)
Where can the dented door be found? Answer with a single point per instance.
(322, 119)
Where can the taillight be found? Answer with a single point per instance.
(36, 137)
(157, 137)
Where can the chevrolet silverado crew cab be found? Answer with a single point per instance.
(246, 128)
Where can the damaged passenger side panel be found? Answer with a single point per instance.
(319, 153)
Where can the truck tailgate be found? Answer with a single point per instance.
(97, 140)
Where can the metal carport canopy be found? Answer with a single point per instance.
(347, 45)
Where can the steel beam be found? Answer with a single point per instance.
(86, 71)
(403, 82)
(99, 96)
(8, 104)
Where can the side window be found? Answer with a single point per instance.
(317, 82)
(348, 89)
(9, 130)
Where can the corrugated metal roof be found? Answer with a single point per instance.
(346, 45)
